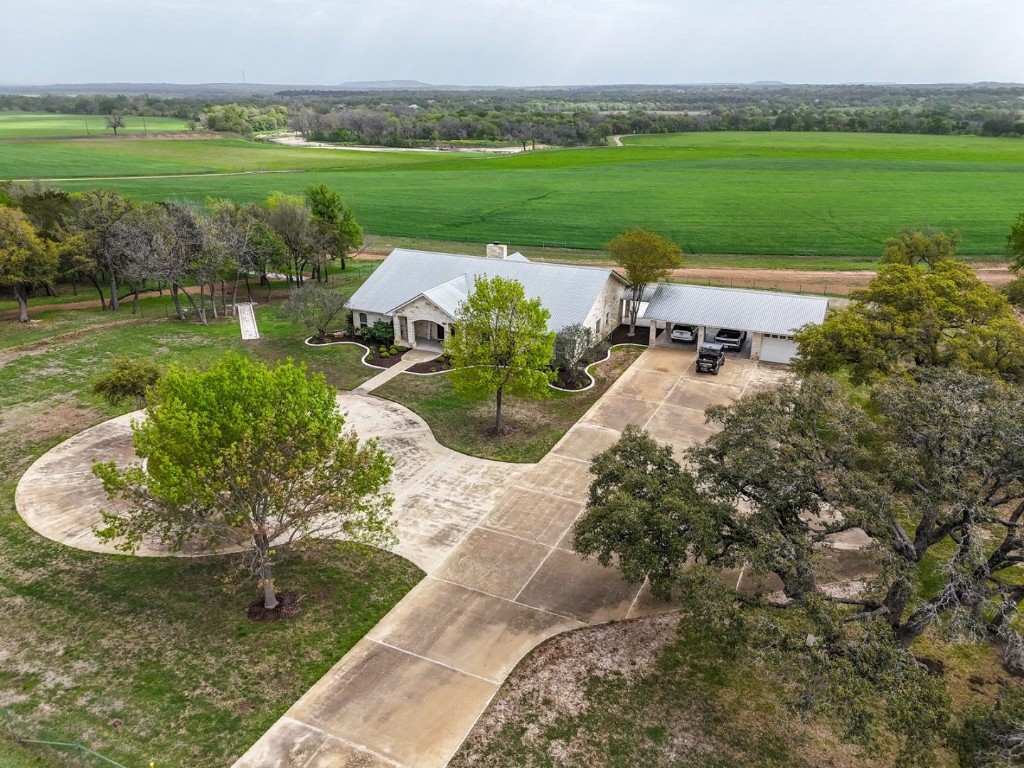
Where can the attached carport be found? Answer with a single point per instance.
(770, 319)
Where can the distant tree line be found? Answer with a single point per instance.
(121, 247)
(571, 116)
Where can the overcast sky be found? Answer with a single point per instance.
(511, 42)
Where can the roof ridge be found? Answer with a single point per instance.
(610, 268)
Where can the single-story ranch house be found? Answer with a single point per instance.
(419, 292)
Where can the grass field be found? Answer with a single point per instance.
(461, 424)
(815, 197)
(14, 125)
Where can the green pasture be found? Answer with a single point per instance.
(31, 125)
(821, 200)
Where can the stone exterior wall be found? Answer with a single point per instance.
(371, 318)
(607, 308)
(420, 309)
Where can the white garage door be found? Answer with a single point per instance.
(778, 349)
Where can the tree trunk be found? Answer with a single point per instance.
(191, 301)
(99, 290)
(202, 303)
(115, 303)
(21, 295)
(178, 311)
(213, 299)
(269, 598)
(248, 288)
(499, 423)
(135, 300)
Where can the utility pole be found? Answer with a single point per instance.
(144, 130)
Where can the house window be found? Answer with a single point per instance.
(362, 320)
(597, 326)
(403, 327)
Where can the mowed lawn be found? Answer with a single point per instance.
(35, 125)
(153, 659)
(813, 197)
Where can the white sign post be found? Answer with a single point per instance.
(247, 322)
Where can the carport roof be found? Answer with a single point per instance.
(754, 311)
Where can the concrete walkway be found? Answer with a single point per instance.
(412, 689)
(409, 359)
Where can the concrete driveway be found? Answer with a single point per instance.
(494, 540)
(439, 494)
(412, 689)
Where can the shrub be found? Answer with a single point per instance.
(127, 380)
(382, 351)
(393, 351)
(1015, 292)
(381, 332)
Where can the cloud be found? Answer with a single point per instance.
(511, 43)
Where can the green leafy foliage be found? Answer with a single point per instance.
(646, 257)
(250, 456)
(25, 258)
(500, 344)
(910, 316)
(645, 511)
(381, 332)
(128, 379)
(992, 736)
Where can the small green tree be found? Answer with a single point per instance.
(245, 455)
(500, 344)
(1015, 243)
(339, 230)
(115, 121)
(646, 257)
(316, 307)
(25, 258)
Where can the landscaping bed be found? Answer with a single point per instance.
(621, 335)
(462, 424)
(437, 365)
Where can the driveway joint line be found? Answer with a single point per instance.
(360, 747)
(507, 599)
(434, 661)
(492, 529)
(542, 489)
(533, 575)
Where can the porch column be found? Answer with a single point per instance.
(700, 336)
(652, 333)
(755, 346)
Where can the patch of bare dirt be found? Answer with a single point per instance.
(552, 680)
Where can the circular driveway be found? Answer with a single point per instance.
(439, 494)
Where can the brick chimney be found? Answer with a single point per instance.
(497, 250)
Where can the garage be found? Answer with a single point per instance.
(777, 349)
(765, 321)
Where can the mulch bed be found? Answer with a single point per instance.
(432, 366)
(374, 358)
(568, 379)
(621, 335)
(287, 608)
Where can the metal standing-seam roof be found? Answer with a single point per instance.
(567, 292)
(743, 310)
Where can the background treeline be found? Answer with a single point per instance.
(571, 116)
(122, 247)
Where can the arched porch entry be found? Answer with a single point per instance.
(428, 333)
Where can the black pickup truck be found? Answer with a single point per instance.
(710, 358)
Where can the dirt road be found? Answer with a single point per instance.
(791, 280)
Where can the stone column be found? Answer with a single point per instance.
(755, 346)
(652, 333)
(700, 336)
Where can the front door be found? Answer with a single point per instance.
(440, 332)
